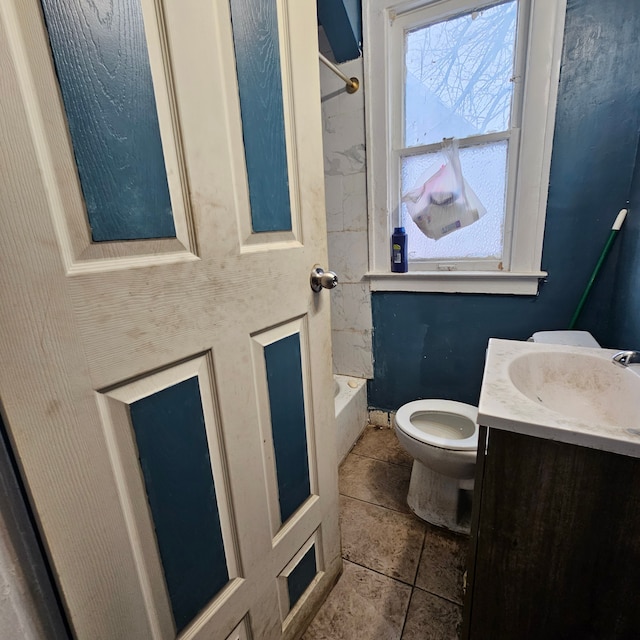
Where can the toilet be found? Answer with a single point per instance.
(442, 438)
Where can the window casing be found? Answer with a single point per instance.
(529, 137)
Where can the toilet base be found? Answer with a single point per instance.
(440, 500)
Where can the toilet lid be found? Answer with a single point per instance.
(440, 423)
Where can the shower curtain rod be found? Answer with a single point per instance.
(352, 84)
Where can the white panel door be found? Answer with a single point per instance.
(128, 366)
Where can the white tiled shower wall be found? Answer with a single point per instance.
(346, 201)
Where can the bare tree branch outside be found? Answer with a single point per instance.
(458, 75)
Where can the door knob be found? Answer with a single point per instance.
(321, 279)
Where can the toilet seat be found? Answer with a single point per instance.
(440, 423)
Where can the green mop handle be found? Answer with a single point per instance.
(614, 232)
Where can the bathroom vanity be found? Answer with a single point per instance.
(555, 548)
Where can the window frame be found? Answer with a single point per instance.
(427, 15)
(532, 126)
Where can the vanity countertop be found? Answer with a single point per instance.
(570, 394)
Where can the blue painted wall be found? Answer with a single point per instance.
(433, 345)
(625, 321)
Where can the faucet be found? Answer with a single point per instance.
(625, 358)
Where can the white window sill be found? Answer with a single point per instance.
(499, 282)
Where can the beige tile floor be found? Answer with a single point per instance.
(402, 577)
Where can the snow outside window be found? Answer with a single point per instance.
(485, 73)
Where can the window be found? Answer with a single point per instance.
(486, 74)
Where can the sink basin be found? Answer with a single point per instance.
(570, 394)
(579, 385)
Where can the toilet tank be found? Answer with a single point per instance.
(572, 338)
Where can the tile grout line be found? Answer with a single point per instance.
(424, 527)
(409, 512)
(407, 584)
(406, 613)
(413, 586)
(424, 540)
(437, 595)
(361, 455)
(384, 575)
(433, 593)
(415, 577)
(375, 504)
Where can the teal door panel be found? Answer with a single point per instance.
(288, 424)
(174, 456)
(255, 37)
(101, 59)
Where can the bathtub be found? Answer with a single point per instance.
(351, 412)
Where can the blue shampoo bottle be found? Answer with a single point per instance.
(399, 251)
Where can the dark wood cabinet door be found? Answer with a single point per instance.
(557, 543)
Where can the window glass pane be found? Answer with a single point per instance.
(458, 76)
(484, 167)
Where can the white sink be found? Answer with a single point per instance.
(571, 394)
(580, 386)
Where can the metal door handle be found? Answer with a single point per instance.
(321, 279)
